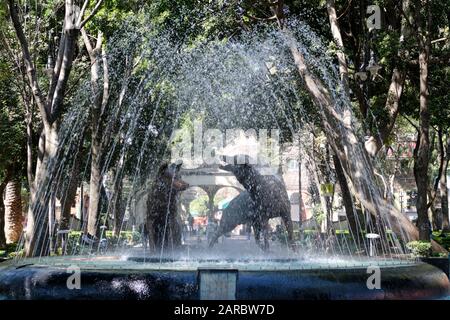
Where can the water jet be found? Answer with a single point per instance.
(228, 86)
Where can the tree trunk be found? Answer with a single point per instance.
(118, 207)
(13, 211)
(94, 188)
(2, 215)
(312, 164)
(99, 104)
(50, 107)
(301, 203)
(444, 190)
(348, 201)
(343, 70)
(422, 157)
(30, 145)
(68, 198)
(337, 125)
(336, 32)
(436, 221)
(437, 215)
(69, 188)
(39, 209)
(8, 176)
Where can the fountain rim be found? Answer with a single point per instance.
(111, 263)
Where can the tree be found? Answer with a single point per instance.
(13, 211)
(109, 94)
(2, 216)
(422, 152)
(443, 184)
(49, 104)
(47, 64)
(343, 70)
(12, 157)
(353, 157)
(99, 64)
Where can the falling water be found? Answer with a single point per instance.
(156, 85)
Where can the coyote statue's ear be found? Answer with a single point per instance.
(178, 164)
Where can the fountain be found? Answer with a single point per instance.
(247, 83)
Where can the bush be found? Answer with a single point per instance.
(442, 238)
(10, 251)
(420, 248)
(310, 231)
(318, 214)
(16, 254)
(126, 238)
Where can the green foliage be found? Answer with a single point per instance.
(113, 13)
(318, 214)
(12, 128)
(442, 238)
(129, 236)
(10, 251)
(126, 238)
(310, 231)
(192, 23)
(200, 205)
(420, 248)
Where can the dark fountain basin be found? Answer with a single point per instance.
(119, 277)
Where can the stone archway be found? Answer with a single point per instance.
(211, 180)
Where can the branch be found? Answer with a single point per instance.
(82, 11)
(336, 32)
(410, 24)
(346, 9)
(439, 40)
(432, 196)
(57, 67)
(403, 13)
(411, 123)
(93, 13)
(31, 71)
(262, 19)
(29, 122)
(384, 183)
(441, 160)
(443, 59)
(87, 44)
(68, 44)
(57, 98)
(99, 43)
(392, 105)
(105, 79)
(396, 88)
